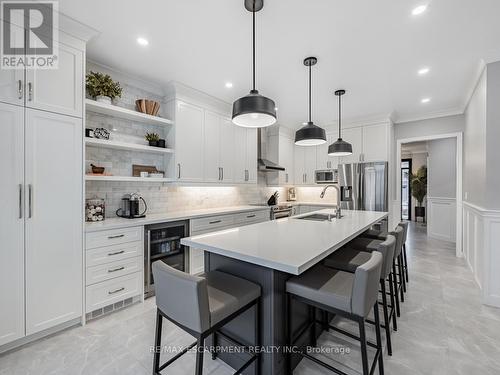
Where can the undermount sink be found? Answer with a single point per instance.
(317, 217)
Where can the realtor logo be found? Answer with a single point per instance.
(29, 35)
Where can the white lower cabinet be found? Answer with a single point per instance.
(111, 291)
(114, 267)
(54, 222)
(42, 225)
(12, 223)
(215, 223)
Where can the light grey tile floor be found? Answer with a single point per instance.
(443, 330)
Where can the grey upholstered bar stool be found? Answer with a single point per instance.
(349, 295)
(356, 253)
(404, 224)
(201, 306)
(397, 269)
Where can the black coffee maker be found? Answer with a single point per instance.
(131, 207)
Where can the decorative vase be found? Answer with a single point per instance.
(161, 143)
(153, 143)
(103, 99)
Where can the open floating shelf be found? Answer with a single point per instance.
(124, 113)
(126, 178)
(126, 146)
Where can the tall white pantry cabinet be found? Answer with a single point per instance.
(41, 228)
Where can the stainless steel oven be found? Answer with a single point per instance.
(163, 242)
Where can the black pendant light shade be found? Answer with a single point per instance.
(254, 110)
(310, 134)
(340, 147)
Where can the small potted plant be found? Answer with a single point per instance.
(153, 139)
(102, 88)
(419, 190)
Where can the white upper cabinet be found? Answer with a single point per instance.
(375, 142)
(212, 144)
(286, 160)
(218, 148)
(53, 211)
(58, 90)
(240, 155)
(305, 164)
(355, 137)
(226, 149)
(251, 155)
(189, 140)
(12, 223)
(12, 80)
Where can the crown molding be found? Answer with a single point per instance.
(430, 115)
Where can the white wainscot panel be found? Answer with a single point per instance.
(441, 218)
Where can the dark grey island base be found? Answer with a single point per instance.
(272, 316)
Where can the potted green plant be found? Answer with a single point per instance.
(152, 138)
(102, 88)
(419, 190)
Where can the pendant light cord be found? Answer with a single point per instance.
(253, 47)
(340, 115)
(310, 75)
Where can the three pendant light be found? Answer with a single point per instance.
(257, 111)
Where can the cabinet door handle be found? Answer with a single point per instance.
(222, 174)
(250, 216)
(178, 171)
(30, 201)
(247, 175)
(116, 269)
(20, 89)
(286, 177)
(117, 236)
(30, 91)
(20, 201)
(116, 253)
(220, 178)
(117, 290)
(214, 222)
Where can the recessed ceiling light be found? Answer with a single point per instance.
(419, 10)
(229, 85)
(142, 41)
(423, 71)
(425, 100)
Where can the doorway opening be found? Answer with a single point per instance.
(442, 204)
(405, 189)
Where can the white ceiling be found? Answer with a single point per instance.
(373, 49)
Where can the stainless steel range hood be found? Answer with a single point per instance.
(265, 165)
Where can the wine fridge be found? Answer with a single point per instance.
(163, 242)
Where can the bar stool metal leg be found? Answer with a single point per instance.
(402, 282)
(393, 306)
(405, 263)
(387, 321)
(379, 340)
(364, 351)
(157, 352)
(396, 292)
(199, 356)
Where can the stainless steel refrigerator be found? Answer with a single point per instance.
(368, 183)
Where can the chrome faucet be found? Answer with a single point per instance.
(338, 212)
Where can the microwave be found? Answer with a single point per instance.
(326, 176)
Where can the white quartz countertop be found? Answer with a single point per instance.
(290, 245)
(118, 222)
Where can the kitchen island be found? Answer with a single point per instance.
(268, 254)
